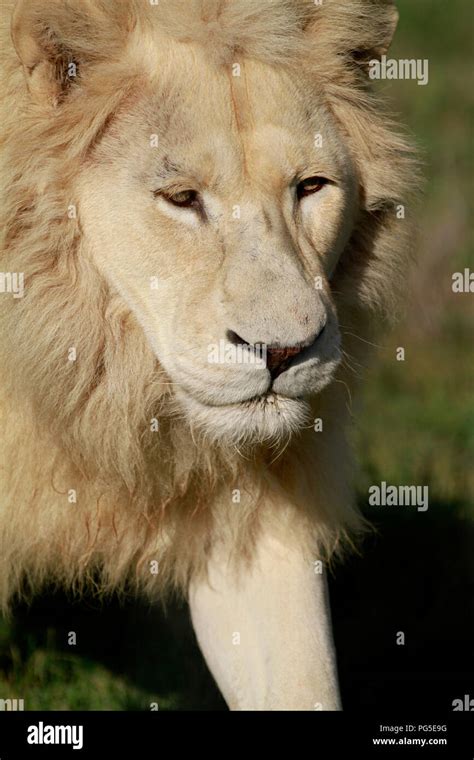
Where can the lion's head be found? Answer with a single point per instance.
(213, 179)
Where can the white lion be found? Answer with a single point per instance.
(189, 180)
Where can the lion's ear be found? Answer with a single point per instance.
(360, 29)
(381, 32)
(54, 38)
(47, 65)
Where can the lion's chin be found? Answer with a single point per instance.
(270, 418)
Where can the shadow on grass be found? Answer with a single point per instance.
(414, 577)
(155, 656)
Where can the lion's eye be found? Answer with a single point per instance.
(183, 199)
(310, 186)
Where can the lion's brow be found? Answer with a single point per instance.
(169, 169)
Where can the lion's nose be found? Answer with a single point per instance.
(278, 357)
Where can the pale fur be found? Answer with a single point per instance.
(85, 425)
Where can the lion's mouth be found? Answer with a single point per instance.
(266, 401)
(263, 418)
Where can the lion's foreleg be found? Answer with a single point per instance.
(266, 633)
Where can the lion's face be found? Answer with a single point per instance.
(218, 206)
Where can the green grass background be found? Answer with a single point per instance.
(413, 424)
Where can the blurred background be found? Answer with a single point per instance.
(414, 424)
